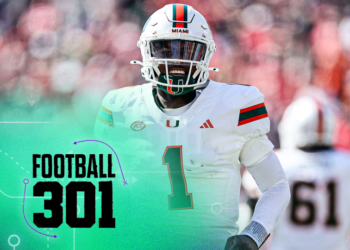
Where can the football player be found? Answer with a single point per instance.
(192, 134)
(318, 216)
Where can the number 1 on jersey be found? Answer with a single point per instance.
(179, 198)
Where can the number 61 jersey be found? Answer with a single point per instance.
(318, 216)
(183, 172)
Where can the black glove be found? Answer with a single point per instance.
(240, 242)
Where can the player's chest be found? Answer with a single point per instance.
(205, 139)
(207, 127)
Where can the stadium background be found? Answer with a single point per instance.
(59, 58)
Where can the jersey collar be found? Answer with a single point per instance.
(160, 117)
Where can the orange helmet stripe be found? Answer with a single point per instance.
(180, 15)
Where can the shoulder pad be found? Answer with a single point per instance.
(241, 96)
(239, 84)
(252, 117)
(118, 99)
(125, 87)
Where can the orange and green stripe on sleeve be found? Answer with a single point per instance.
(179, 15)
(252, 113)
(105, 116)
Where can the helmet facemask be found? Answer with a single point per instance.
(178, 62)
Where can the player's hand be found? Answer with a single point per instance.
(240, 242)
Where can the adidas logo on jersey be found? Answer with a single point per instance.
(207, 124)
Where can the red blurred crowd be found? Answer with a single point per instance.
(63, 48)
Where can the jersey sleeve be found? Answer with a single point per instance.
(255, 150)
(253, 124)
(104, 123)
(110, 124)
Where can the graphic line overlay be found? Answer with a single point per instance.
(125, 183)
(27, 122)
(26, 181)
(40, 197)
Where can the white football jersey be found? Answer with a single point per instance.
(318, 216)
(187, 167)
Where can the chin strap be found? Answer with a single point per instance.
(197, 72)
(155, 67)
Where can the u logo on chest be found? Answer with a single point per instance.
(172, 125)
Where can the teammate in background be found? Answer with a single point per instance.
(318, 215)
(201, 130)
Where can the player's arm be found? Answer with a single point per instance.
(262, 163)
(104, 121)
(272, 182)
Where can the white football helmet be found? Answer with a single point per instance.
(176, 34)
(307, 122)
